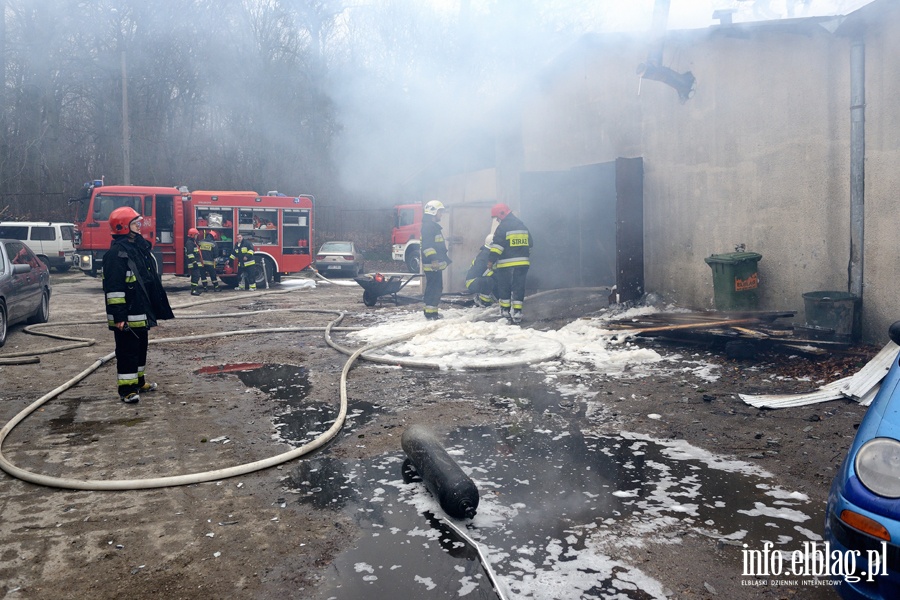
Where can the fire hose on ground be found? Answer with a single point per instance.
(191, 478)
(217, 474)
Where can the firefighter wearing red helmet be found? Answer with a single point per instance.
(434, 257)
(208, 268)
(135, 300)
(193, 259)
(510, 258)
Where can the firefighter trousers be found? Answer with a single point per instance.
(511, 286)
(208, 273)
(485, 287)
(195, 276)
(248, 276)
(434, 287)
(131, 358)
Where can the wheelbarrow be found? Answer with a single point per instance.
(382, 284)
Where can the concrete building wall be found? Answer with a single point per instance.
(759, 156)
(468, 198)
(882, 173)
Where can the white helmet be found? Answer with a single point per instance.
(433, 206)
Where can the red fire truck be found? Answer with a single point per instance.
(279, 226)
(406, 235)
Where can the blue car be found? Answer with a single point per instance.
(862, 523)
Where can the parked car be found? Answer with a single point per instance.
(340, 257)
(24, 286)
(863, 512)
(54, 243)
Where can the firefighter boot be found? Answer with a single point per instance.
(504, 312)
(195, 292)
(516, 316)
(216, 287)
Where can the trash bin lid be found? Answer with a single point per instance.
(732, 258)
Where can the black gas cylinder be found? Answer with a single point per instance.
(454, 490)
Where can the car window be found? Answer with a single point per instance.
(342, 247)
(67, 232)
(41, 233)
(19, 254)
(14, 232)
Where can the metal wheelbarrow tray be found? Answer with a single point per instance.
(381, 284)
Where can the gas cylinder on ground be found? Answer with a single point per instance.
(453, 489)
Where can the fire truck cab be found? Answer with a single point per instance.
(406, 235)
(279, 226)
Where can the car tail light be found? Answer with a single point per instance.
(865, 524)
(320, 257)
(348, 257)
(62, 253)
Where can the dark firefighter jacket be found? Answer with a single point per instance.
(208, 251)
(434, 248)
(511, 244)
(243, 252)
(192, 253)
(479, 266)
(134, 292)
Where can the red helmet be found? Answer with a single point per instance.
(121, 218)
(213, 234)
(192, 232)
(499, 211)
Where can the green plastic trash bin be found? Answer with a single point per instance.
(735, 280)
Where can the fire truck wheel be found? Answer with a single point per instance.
(412, 260)
(265, 277)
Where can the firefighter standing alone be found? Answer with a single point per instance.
(135, 300)
(434, 257)
(510, 259)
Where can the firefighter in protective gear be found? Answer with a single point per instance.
(434, 257)
(193, 259)
(510, 259)
(480, 278)
(208, 254)
(135, 301)
(246, 266)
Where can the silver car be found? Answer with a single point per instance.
(24, 287)
(340, 257)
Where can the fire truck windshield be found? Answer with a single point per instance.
(104, 205)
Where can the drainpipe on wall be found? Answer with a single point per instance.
(857, 165)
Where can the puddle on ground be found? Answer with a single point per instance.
(298, 419)
(79, 433)
(556, 508)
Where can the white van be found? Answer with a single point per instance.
(52, 242)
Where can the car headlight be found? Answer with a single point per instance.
(878, 466)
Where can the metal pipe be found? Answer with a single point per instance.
(857, 166)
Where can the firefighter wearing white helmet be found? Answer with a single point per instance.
(434, 257)
(480, 278)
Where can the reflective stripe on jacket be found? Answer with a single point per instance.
(434, 248)
(512, 243)
(243, 252)
(208, 252)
